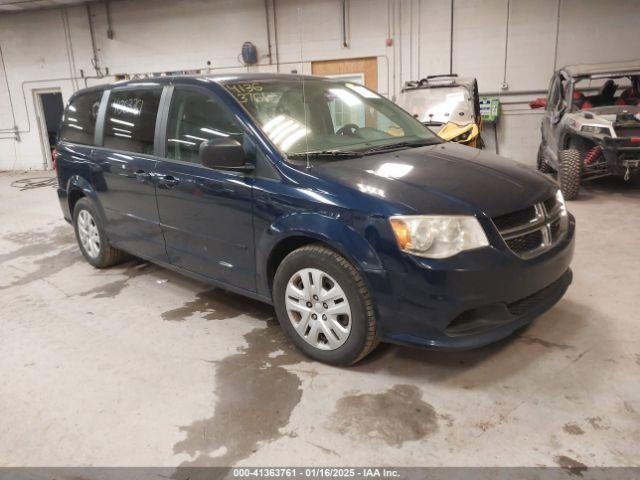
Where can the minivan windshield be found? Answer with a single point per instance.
(328, 118)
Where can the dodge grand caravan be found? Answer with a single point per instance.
(321, 198)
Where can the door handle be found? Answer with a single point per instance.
(169, 181)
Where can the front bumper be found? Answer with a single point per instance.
(474, 298)
(622, 155)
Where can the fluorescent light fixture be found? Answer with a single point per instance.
(214, 132)
(392, 170)
(77, 127)
(282, 134)
(365, 92)
(176, 140)
(122, 122)
(72, 119)
(347, 97)
(281, 128)
(271, 124)
(371, 190)
(293, 138)
(196, 138)
(123, 130)
(123, 135)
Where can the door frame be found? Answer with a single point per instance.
(45, 146)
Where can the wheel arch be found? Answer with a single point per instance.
(294, 233)
(78, 187)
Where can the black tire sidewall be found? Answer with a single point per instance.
(569, 173)
(324, 260)
(101, 259)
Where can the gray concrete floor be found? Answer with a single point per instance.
(138, 366)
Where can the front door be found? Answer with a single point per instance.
(125, 166)
(206, 215)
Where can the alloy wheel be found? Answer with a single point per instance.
(89, 234)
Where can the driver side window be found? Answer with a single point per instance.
(196, 117)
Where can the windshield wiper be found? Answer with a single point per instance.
(325, 155)
(399, 145)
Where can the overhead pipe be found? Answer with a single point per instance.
(6, 79)
(555, 48)
(266, 16)
(451, 41)
(107, 11)
(94, 61)
(505, 85)
(344, 24)
(275, 35)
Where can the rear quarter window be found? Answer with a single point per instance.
(79, 119)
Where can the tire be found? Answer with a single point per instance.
(291, 305)
(91, 237)
(569, 173)
(542, 164)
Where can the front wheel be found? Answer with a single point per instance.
(324, 306)
(569, 172)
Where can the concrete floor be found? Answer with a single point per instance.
(138, 366)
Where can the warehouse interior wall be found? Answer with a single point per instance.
(511, 46)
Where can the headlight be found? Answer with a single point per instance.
(595, 130)
(437, 236)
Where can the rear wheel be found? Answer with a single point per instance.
(91, 238)
(542, 164)
(324, 306)
(569, 172)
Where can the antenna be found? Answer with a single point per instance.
(304, 94)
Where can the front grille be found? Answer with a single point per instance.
(555, 229)
(515, 218)
(525, 243)
(550, 204)
(533, 230)
(628, 131)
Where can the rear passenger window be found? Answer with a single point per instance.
(194, 118)
(130, 121)
(79, 120)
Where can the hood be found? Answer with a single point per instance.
(446, 178)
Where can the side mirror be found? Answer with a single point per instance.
(223, 154)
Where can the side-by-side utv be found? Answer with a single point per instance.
(591, 124)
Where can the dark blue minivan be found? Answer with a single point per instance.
(319, 197)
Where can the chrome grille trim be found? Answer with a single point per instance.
(544, 221)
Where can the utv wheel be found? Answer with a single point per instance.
(569, 173)
(324, 306)
(543, 166)
(91, 238)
